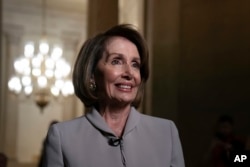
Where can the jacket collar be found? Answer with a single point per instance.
(95, 118)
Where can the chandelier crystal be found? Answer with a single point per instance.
(44, 73)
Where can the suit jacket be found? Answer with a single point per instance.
(87, 141)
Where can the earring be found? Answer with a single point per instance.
(92, 86)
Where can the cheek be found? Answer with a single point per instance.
(107, 77)
(111, 76)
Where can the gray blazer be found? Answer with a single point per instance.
(88, 142)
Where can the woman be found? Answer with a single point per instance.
(109, 77)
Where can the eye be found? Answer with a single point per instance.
(136, 65)
(115, 61)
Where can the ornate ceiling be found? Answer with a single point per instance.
(65, 19)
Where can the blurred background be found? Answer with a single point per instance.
(199, 61)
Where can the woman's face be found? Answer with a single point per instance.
(117, 75)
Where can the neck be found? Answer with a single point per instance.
(116, 117)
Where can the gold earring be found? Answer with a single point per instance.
(92, 86)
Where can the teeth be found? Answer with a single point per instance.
(125, 86)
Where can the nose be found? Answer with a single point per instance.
(127, 73)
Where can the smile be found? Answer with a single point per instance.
(124, 87)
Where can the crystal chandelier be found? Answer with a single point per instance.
(41, 71)
(43, 74)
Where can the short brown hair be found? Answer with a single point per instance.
(92, 51)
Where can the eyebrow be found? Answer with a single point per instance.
(120, 56)
(137, 59)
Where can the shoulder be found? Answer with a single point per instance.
(160, 131)
(72, 126)
(156, 120)
(162, 125)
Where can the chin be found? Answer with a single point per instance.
(125, 101)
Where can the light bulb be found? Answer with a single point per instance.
(20, 64)
(59, 83)
(55, 91)
(26, 80)
(56, 53)
(28, 90)
(58, 74)
(18, 88)
(42, 81)
(36, 62)
(26, 70)
(68, 88)
(44, 47)
(66, 69)
(49, 73)
(36, 72)
(13, 82)
(63, 67)
(29, 49)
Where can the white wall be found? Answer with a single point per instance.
(32, 128)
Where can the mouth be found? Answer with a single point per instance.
(124, 87)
